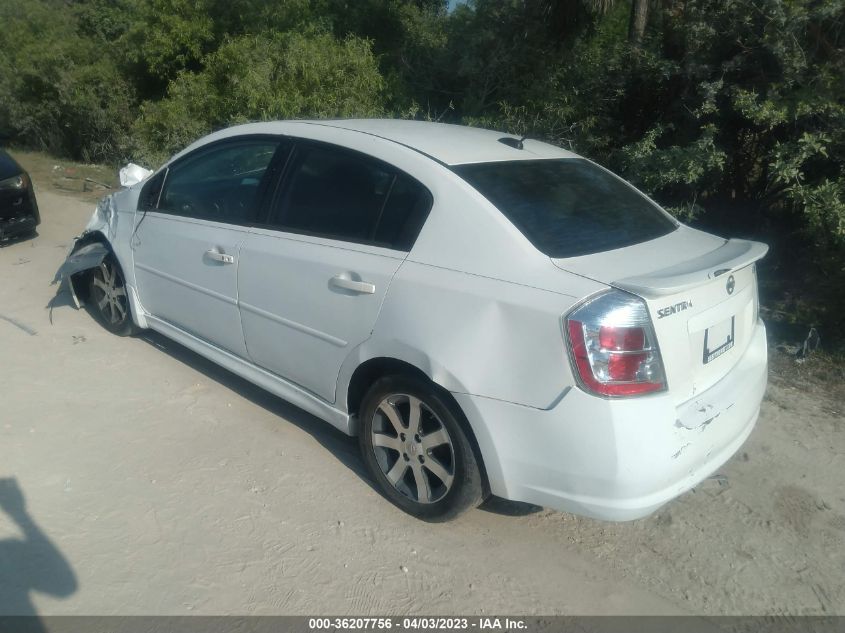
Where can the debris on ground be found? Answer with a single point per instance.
(73, 179)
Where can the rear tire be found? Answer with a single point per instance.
(415, 448)
(108, 298)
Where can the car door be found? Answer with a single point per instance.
(186, 241)
(312, 281)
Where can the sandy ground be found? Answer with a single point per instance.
(157, 483)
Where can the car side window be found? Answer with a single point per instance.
(219, 184)
(404, 214)
(340, 194)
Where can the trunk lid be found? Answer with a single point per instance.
(701, 293)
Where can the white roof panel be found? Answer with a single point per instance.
(449, 144)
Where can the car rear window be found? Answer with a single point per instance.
(568, 207)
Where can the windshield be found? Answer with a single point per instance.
(8, 166)
(568, 207)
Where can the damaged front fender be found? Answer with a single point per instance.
(84, 258)
(104, 219)
(108, 232)
(88, 251)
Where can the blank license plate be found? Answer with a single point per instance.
(718, 339)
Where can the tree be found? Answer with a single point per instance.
(730, 113)
(57, 90)
(638, 22)
(263, 77)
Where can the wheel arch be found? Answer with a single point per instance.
(372, 369)
(77, 279)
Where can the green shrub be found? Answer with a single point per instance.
(264, 77)
(58, 92)
(730, 113)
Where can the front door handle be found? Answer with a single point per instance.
(220, 257)
(361, 287)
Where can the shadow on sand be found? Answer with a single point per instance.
(27, 564)
(343, 447)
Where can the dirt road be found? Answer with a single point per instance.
(156, 483)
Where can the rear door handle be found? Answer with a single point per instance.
(220, 257)
(361, 287)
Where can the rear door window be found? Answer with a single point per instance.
(404, 214)
(221, 183)
(340, 194)
(568, 207)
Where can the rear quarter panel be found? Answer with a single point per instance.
(474, 335)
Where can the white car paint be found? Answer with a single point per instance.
(476, 308)
(178, 279)
(295, 306)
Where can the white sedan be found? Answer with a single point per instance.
(489, 314)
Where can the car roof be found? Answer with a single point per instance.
(445, 143)
(450, 144)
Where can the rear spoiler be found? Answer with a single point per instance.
(732, 256)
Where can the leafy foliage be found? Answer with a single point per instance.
(730, 113)
(57, 91)
(264, 77)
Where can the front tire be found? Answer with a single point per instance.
(109, 298)
(416, 449)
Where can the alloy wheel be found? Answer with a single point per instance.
(413, 448)
(109, 292)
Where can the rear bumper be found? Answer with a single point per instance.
(617, 460)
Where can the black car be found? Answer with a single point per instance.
(18, 209)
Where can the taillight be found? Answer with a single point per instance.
(613, 346)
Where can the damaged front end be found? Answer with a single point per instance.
(78, 263)
(88, 250)
(107, 240)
